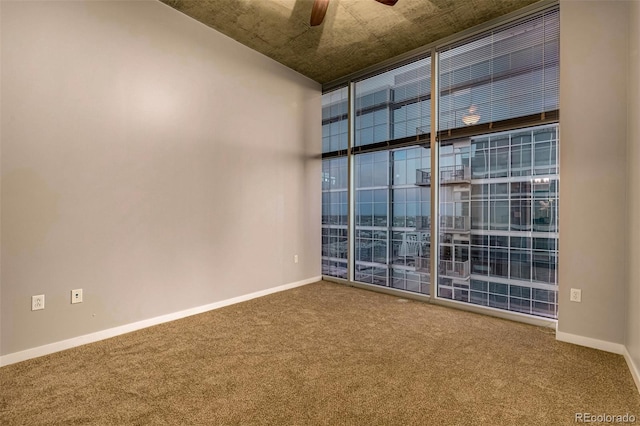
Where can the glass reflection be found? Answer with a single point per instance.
(507, 257)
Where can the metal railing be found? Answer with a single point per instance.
(423, 177)
(447, 268)
(447, 223)
(457, 173)
(455, 223)
(451, 268)
(449, 174)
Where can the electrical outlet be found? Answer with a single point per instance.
(37, 302)
(295, 258)
(76, 296)
(576, 295)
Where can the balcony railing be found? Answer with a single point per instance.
(448, 175)
(450, 268)
(452, 174)
(423, 177)
(455, 223)
(447, 268)
(447, 223)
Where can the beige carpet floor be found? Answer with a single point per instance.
(322, 354)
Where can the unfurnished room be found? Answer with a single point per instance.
(319, 212)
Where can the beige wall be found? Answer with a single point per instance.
(593, 135)
(633, 315)
(1, 3)
(149, 160)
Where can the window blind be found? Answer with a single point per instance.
(502, 74)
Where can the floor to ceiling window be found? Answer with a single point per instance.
(498, 227)
(498, 190)
(334, 183)
(392, 219)
(391, 211)
(497, 172)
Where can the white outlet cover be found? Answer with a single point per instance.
(37, 302)
(76, 296)
(575, 295)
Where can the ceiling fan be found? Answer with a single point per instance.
(320, 9)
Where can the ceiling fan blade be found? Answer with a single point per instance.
(388, 2)
(318, 11)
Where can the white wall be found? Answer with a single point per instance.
(633, 307)
(149, 160)
(593, 146)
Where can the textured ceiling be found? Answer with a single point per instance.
(355, 34)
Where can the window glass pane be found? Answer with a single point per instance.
(393, 251)
(334, 120)
(496, 260)
(334, 217)
(394, 105)
(498, 192)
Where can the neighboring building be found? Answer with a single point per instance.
(498, 189)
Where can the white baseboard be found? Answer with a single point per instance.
(603, 345)
(635, 373)
(12, 358)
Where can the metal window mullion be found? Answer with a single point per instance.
(435, 175)
(390, 174)
(351, 219)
